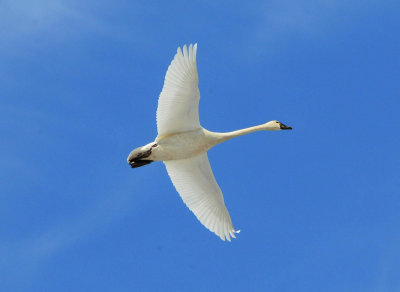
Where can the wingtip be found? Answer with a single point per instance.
(194, 45)
(179, 51)
(186, 50)
(229, 235)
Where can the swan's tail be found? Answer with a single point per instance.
(139, 163)
(137, 157)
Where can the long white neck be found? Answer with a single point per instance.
(222, 137)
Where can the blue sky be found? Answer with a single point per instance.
(318, 206)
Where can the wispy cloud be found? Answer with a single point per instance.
(24, 258)
(279, 22)
(54, 21)
(18, 18)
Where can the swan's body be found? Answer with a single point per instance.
(183, 144)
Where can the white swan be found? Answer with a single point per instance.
(182, 144)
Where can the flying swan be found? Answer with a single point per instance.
(182, 143)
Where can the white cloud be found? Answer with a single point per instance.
(280, 22)
(28, 24)
(28, 17)
(25, 258)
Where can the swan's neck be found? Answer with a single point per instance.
(222, 137)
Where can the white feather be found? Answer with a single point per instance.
(195, 182)
(178, 104)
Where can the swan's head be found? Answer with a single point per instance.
(275, 126)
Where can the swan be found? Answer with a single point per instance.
(182, 144)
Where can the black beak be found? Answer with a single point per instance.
(284, 127)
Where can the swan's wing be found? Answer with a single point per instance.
(178, 104)
(195, 182)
